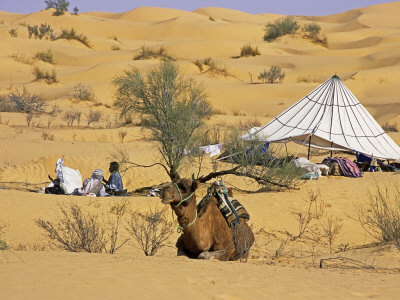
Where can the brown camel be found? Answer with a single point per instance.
(205, 232)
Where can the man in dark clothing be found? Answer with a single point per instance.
(57, 187)
(114, 185)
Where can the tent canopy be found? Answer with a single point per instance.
(330, 117)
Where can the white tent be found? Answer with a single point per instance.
(330, 117)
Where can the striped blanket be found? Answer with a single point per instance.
(347, 167)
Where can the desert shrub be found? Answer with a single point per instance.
(211, 18)
(312, 32)
(148, 53)
(93, 116)
(46, 56)
(20, 100)
(115, 48)
(83, 92)
(237, 112)
(22, 58)
(199, 64)
(76, 11)
(71, 116)
(280, 27)
(381, 215)
(213, 67)
(150, 229)
(274, 74)
(48, 77)
(79, 231)
(389, 127)
(248, 50)
(28, 119)
(331, 227)
(60, 6)
(121, 135)
(309, 78)
(76, 231)
(40, 32)
(13, 32)
(72, 34)
(3, 243)
(47, 136)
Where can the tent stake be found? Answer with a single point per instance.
(309, 145)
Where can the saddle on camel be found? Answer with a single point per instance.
(206, 233)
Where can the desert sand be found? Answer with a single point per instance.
(363, 49)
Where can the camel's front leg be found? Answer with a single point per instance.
(220, 255)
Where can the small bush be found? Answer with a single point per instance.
(274, 74)
(45, 56)
(71, 116)
(248, 50)
(54, 111)
(381, 217)
(213, 67)
(76, 11)
(61, 6)
(22, 58)
(76, 231)
(279, 28)
(115, 48)
(73, 35)
(13, 32)
(47, 136)
(236, 112)
(79, 231)
(45, 75)
(390, 127)
(40, 32)
(20, 100)
(150, 230)
(148, 53)
(312, 32)
(83, 92)
(93, 116)
(3, 243)
(28, 119)
(121, 135)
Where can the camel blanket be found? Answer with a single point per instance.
(228, 213)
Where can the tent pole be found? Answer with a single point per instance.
(309, 145)
(286, 149)
(331, 148)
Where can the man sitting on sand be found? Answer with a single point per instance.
(114, 185)
(57, 188)
(92, 186)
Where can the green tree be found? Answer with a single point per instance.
(61, 6)
(171, 106)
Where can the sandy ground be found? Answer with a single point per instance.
(363, 49)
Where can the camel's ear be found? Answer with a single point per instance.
(195, 185)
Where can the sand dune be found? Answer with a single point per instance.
(231, 15)
(363, 49)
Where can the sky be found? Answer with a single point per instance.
(286, 7)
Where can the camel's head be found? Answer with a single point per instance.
(178, 191)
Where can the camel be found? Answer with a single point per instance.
(205, 232)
